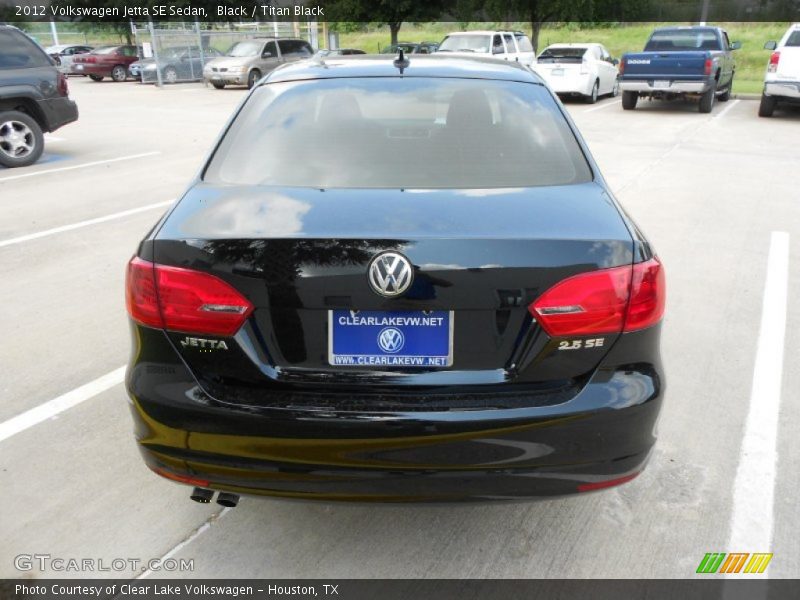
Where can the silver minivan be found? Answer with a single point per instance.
(249, 60)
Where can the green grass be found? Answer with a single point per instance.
(751, 60)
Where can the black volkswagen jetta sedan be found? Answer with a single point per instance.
(396, 281)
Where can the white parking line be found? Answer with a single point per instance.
(727, 109)
(602, 106)
(754, 487)
(71, 226)
(58, 405)
(81, 166)
(193, 536)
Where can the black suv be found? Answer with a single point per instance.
(33, 98)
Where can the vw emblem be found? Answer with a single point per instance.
(391, 340)
(390, 274)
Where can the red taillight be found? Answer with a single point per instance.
(622, 66)
(773, 62)
(605, 301)
(709, 64)
(184, 300)
(599, 485)
(63, 86)
(648, 295)
(141, 297)
(187, 479)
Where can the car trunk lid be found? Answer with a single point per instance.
(300, 254)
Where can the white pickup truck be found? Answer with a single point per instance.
(782, 81)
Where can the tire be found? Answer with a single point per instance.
(96, 77)
(592, 98)
(615, 89)
(21, 139)
(707, 99)
(252, 78)
(218, 84)
(767, 106)
(726, 95)
(629, 100)
(119, 73)
(170, 75)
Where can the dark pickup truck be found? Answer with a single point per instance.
(680, 61)
(34, 98)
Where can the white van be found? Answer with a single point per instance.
(505, 45)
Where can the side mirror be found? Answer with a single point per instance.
(770, 45)
(497, 50)
(736, 45)
(615, 61)
(266, 54)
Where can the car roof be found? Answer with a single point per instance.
(418, 65)
(272, 37)
(571, 45)
(482, 32)
(687, 28)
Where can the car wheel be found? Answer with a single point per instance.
(21, 139)
(170, 75)
(96, 77)
(252, 78)
(119, 73)
(707, 99)
(592, 98)
(615, 89)
(629, 100)
(726, 95)
(767, 106)
(218, 84)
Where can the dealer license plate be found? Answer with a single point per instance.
(390, 338)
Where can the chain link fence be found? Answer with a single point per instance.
(179, 53)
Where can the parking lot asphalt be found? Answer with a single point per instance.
(716, 194)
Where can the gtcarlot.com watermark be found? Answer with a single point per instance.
(57, 564)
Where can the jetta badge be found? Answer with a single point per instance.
(390, 274)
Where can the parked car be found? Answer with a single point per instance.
(677, 62)
(34, 98)
(506, 45)
(248, 61)
(107, 61)
(586, 70)
(63, 54)
(337, 52)
(411, 48)
(305, 327)
(176, 64)
(782, 81)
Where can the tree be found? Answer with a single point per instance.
(385, 12)
(538, 12)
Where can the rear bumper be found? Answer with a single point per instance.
(784, 89)
(91, 69)
(601, 436)
(674, 87)
(571, 85)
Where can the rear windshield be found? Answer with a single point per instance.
(466, 43)
(18, 51)
(565, 53)
(682, 39)
(793, 39)
(399, 133)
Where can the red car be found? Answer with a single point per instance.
(108, 61)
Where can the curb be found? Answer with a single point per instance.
(747, 96)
